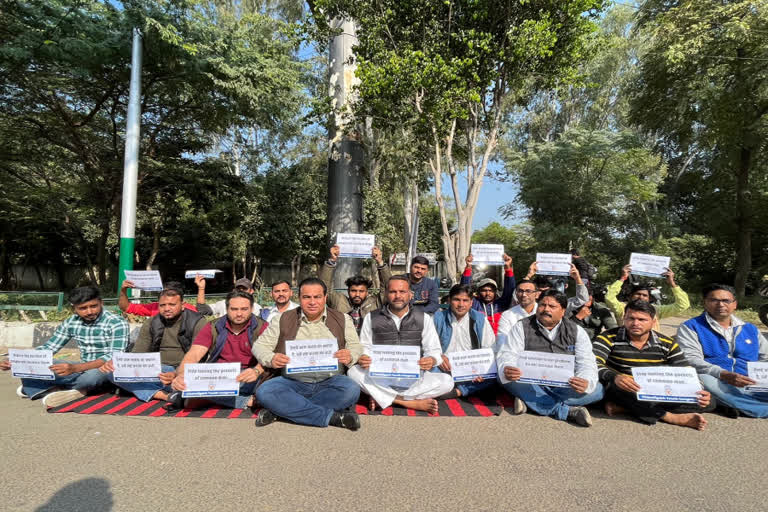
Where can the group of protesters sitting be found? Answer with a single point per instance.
(608, 341)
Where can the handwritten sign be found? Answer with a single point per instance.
(148, 280)
(208, 273)
(395, 361)
(758, 371)
(354, 245)
(553, 264)
(311, 355)
(667, 384)
(546, 369)
(211, 379)
(487, 254)
(469, 364)
(136, 366)
(31, 364)
(648, 265)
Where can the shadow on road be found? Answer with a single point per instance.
(91, 494)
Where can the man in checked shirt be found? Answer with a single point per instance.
(97, 332)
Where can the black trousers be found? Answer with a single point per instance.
(649, 412)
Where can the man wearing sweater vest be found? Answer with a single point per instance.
(635, 344)
(487, 301)
(398, 323)
(317, 398)
(548, 331)
(719, 345)
(463, 328)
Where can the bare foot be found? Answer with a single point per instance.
(425, 404)
(692, 420)
(612, 409)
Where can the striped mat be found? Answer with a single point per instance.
(107, 403)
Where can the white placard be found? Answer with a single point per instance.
(355, 245)
(311, 356)
(553, 264)
(211, 379)
(136, 366)
(487, 254)
(397, 258)
(31, 364)
(667, 383)
(758, 372)
(395, 361)
(148, 280)
(209, 273)
(431, 257)
(469, 364)
(546, 369)
(648, 265)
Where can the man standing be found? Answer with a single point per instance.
(170, 333)
(424, 291)
(358, 302)
(487, 300)
(548, 331)
(398, 323)
(463, 328)
(643, 292)
(314, 398)
(98, 334)
(151, 308)
(281, 294)
(635, 345)
(219, 308)
(719, 345)
(228, 340)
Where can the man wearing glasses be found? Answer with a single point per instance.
(719, 345)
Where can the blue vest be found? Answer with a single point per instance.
(442, 321)
(715, 346)
(222, 333)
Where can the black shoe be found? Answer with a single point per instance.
(175, 402)
(265, 417)
(728, 411)
(348, 420)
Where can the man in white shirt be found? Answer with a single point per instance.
(281, 294)
(398, 324)
(461, 328)
(548, 331)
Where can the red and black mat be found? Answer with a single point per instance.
(107, 403)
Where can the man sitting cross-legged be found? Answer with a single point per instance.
(462, 328)
(635, 344)
(227, 340)
(548, 331)
(398, 323)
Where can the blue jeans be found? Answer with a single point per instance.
(551, 401)
(235, 402)
(308, 403)
(81, 381)
(470, 388)
(144, 391)
(750, 404)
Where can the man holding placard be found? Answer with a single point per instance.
(308, 392)
(547, 364)
(723, 349)
(98, 334)
(425, 295)
(643, 292)
(671, 394)
(487, 300)
(151, 308)
(401, 347)
(219, 308)
(357, 302)
(463, 330)
(227, 340)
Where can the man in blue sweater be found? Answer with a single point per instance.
(425, 292)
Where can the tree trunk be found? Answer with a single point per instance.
(295, 270)
(155, 246)
(743, 222)
(411, 212)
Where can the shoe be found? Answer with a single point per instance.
(175, 401)
(348, 420)
(728, 411)
(519, 407)
(265, 417)
(20, 392)
(58, 398)
(580, 416)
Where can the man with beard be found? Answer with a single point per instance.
(548, 331)
(424, 291)
(487, 301)
(358, 302)
(98, 334)
(398, 323)
(281, 294)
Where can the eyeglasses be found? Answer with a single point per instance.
(727, 302)
(525, 292)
